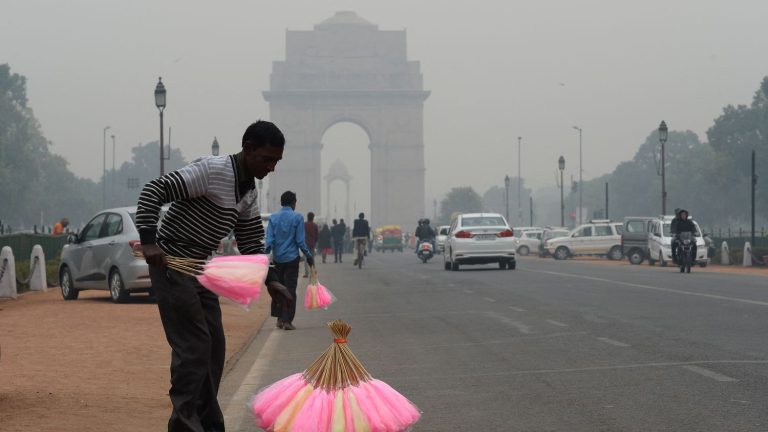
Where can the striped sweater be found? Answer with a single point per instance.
(209, 198)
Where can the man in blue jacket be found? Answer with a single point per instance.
(285, 238)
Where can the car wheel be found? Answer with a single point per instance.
(524, 250)
(561, 253)
(68, 290)
(116, 287)
(502, 265)
(511, 265)
(446, 265)
(615, 253)
(454, 266)
(635, 256)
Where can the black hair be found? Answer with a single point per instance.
(361, 215)
(288, 198)
(310, 216)
(263, 133)
(335, 222)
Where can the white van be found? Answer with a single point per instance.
(660, 242)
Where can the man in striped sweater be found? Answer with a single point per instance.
(209, 198)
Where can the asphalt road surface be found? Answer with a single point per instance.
(552, 346)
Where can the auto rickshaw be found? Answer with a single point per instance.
(389, 237)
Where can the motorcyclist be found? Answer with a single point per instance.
(425, 233)
(361, 232)
(680, 225)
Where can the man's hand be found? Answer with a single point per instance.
(311, 261)
(153, 255)
(277, 289)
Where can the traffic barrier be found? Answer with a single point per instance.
(37, 277)
(7, 273)
(747, 261)
(725, 257)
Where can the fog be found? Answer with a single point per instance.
(496, 70)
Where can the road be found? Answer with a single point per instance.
(552, 346)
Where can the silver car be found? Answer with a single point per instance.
(101, 257)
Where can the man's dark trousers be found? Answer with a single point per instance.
(288, 275)
(338, 250)
(191, 318)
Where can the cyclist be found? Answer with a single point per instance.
(361, 233)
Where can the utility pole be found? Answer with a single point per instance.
(606, 201)
(531, 209)
(663, 140)
(581, 170)
(519, 180)
(754, 184)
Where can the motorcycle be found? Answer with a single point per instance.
(426, 251)
(686, 245)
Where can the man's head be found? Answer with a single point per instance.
(683, 214)
(361, 216)
(310, 217)
(426, 221)
(288, 199)
(263, 145)
(64, 222)
(335, 222)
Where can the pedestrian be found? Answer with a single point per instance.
(208, 198)
(60, 226)
(285, 239)
(337, 233)
(324, 241)
(310, 238)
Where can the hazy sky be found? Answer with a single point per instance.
(496, 69)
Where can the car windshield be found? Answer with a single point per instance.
(635, 226)
(479, 221)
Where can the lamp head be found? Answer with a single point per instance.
(663, 131)
(561, 163)
(215, 147)
(160, 94)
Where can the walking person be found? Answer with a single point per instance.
(310, 238)
(338, 233)
(324, 241)
(285, 239)
(361, 234)
(60, 226)
(209, 198)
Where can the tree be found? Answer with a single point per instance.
(459, 200)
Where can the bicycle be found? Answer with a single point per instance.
(360, 245)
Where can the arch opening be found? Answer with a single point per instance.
(346, 172)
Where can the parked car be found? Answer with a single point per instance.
(599, 238)
(527, 241)
(479, 238)
(549, 234)
(442, 234)
(228, 245)
(634, 238)
(660, 242)
(101, 257)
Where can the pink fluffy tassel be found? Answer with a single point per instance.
(238, 277)
(317, 296)
(316, 414)
(271, 401)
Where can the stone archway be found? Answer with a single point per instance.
(347, 70)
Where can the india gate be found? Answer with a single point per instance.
(347, 70)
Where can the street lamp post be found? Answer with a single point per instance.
(663, 140)
(215, 147)
(506, 201)
(561, 165)
(104, 168)
(519, 180)
(112, 183)
(581, 169)
(160, 104)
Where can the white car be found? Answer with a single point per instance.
(528, 241)
(442, 234)
(479, 238)
(660, 242)
(599, 237)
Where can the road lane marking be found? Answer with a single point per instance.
(488, 299)
(251, 384)
(522, 328)
(574, 370)
(557, 323)
(654, 288)
(517, 309)
(469, 291)
(612, 342)
(709, 374)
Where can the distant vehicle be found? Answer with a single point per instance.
(101, 257)
(634, 238)
(549, 234)
(599, 238)
(389, 238)
(442, 234)
(479, 238)
(527, 241)
(660, 242)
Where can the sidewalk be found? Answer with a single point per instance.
(91, 365)
(711, 268)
